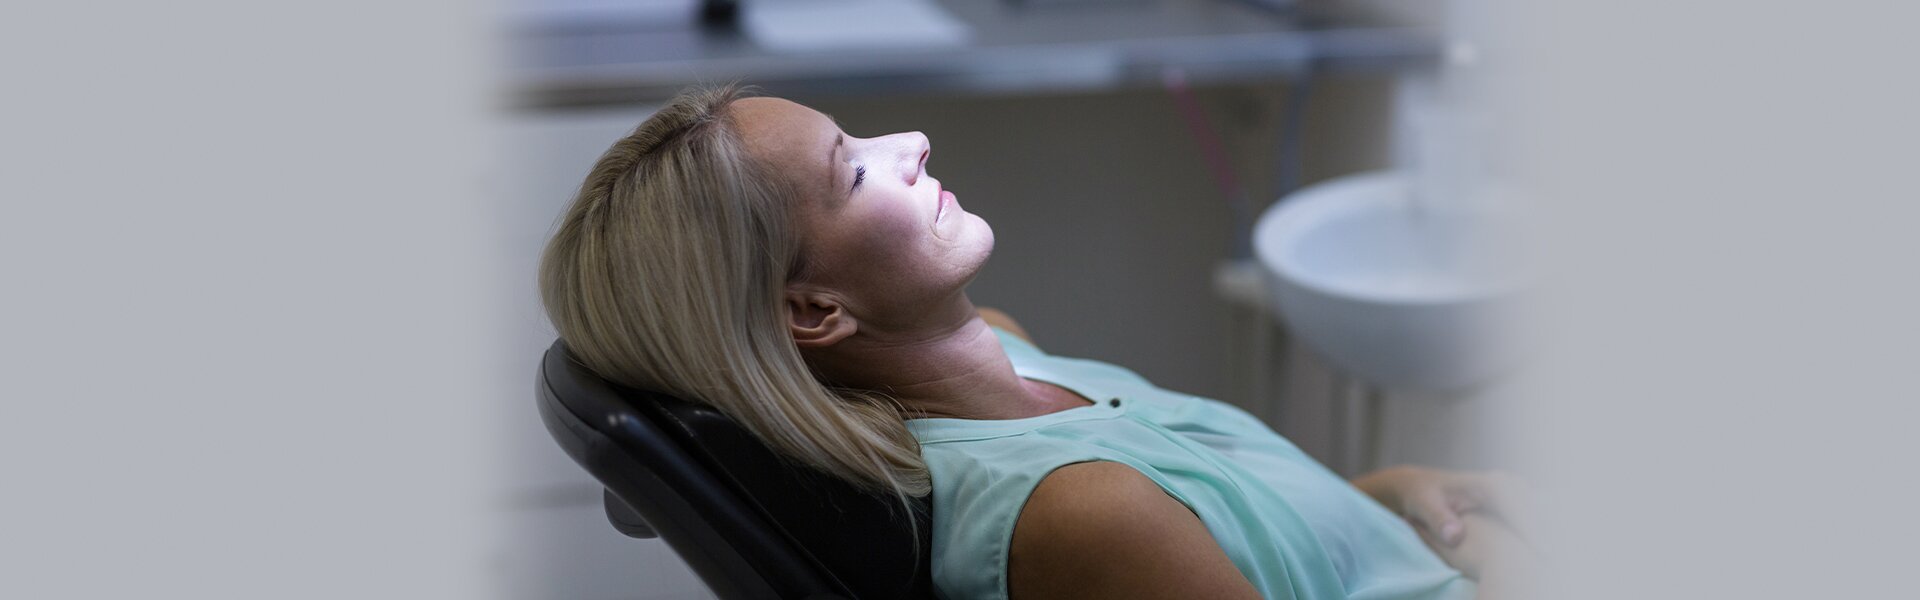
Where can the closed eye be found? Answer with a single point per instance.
(859, 175)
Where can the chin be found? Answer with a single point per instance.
(985, 242)
(976, 246)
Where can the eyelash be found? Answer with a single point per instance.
(859, 175)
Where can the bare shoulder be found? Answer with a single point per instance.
(1104, 530)
(1000, 319)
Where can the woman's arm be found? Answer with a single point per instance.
(1103, 530)
(1000, 319)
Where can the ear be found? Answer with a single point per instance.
(817, 319)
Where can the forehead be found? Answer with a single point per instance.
(785, 135)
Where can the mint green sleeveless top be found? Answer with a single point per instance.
(1292, 527)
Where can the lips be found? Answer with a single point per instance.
(939, 201)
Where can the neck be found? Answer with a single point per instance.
(951, 367)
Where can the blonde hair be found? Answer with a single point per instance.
(667, 273)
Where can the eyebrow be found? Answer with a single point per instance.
(833, 172)
(840, 139)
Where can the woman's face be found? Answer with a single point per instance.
(876, 230)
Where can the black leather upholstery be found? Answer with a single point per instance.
(749, 523)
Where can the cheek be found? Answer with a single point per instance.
(888, 235)
(875, 244)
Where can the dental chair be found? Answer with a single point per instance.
(750, 524)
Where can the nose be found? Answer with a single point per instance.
(917, 149)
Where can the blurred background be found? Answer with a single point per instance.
(1122, 150)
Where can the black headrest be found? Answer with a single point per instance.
(749, 522)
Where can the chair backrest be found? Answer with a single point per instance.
(749, 523)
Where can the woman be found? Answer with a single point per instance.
(744, 252)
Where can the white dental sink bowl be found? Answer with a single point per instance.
(1407, 298)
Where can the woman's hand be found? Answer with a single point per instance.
(1436, 501)
(1488, 548)
(1471, 520)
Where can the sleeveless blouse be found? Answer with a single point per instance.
(1294, 528)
